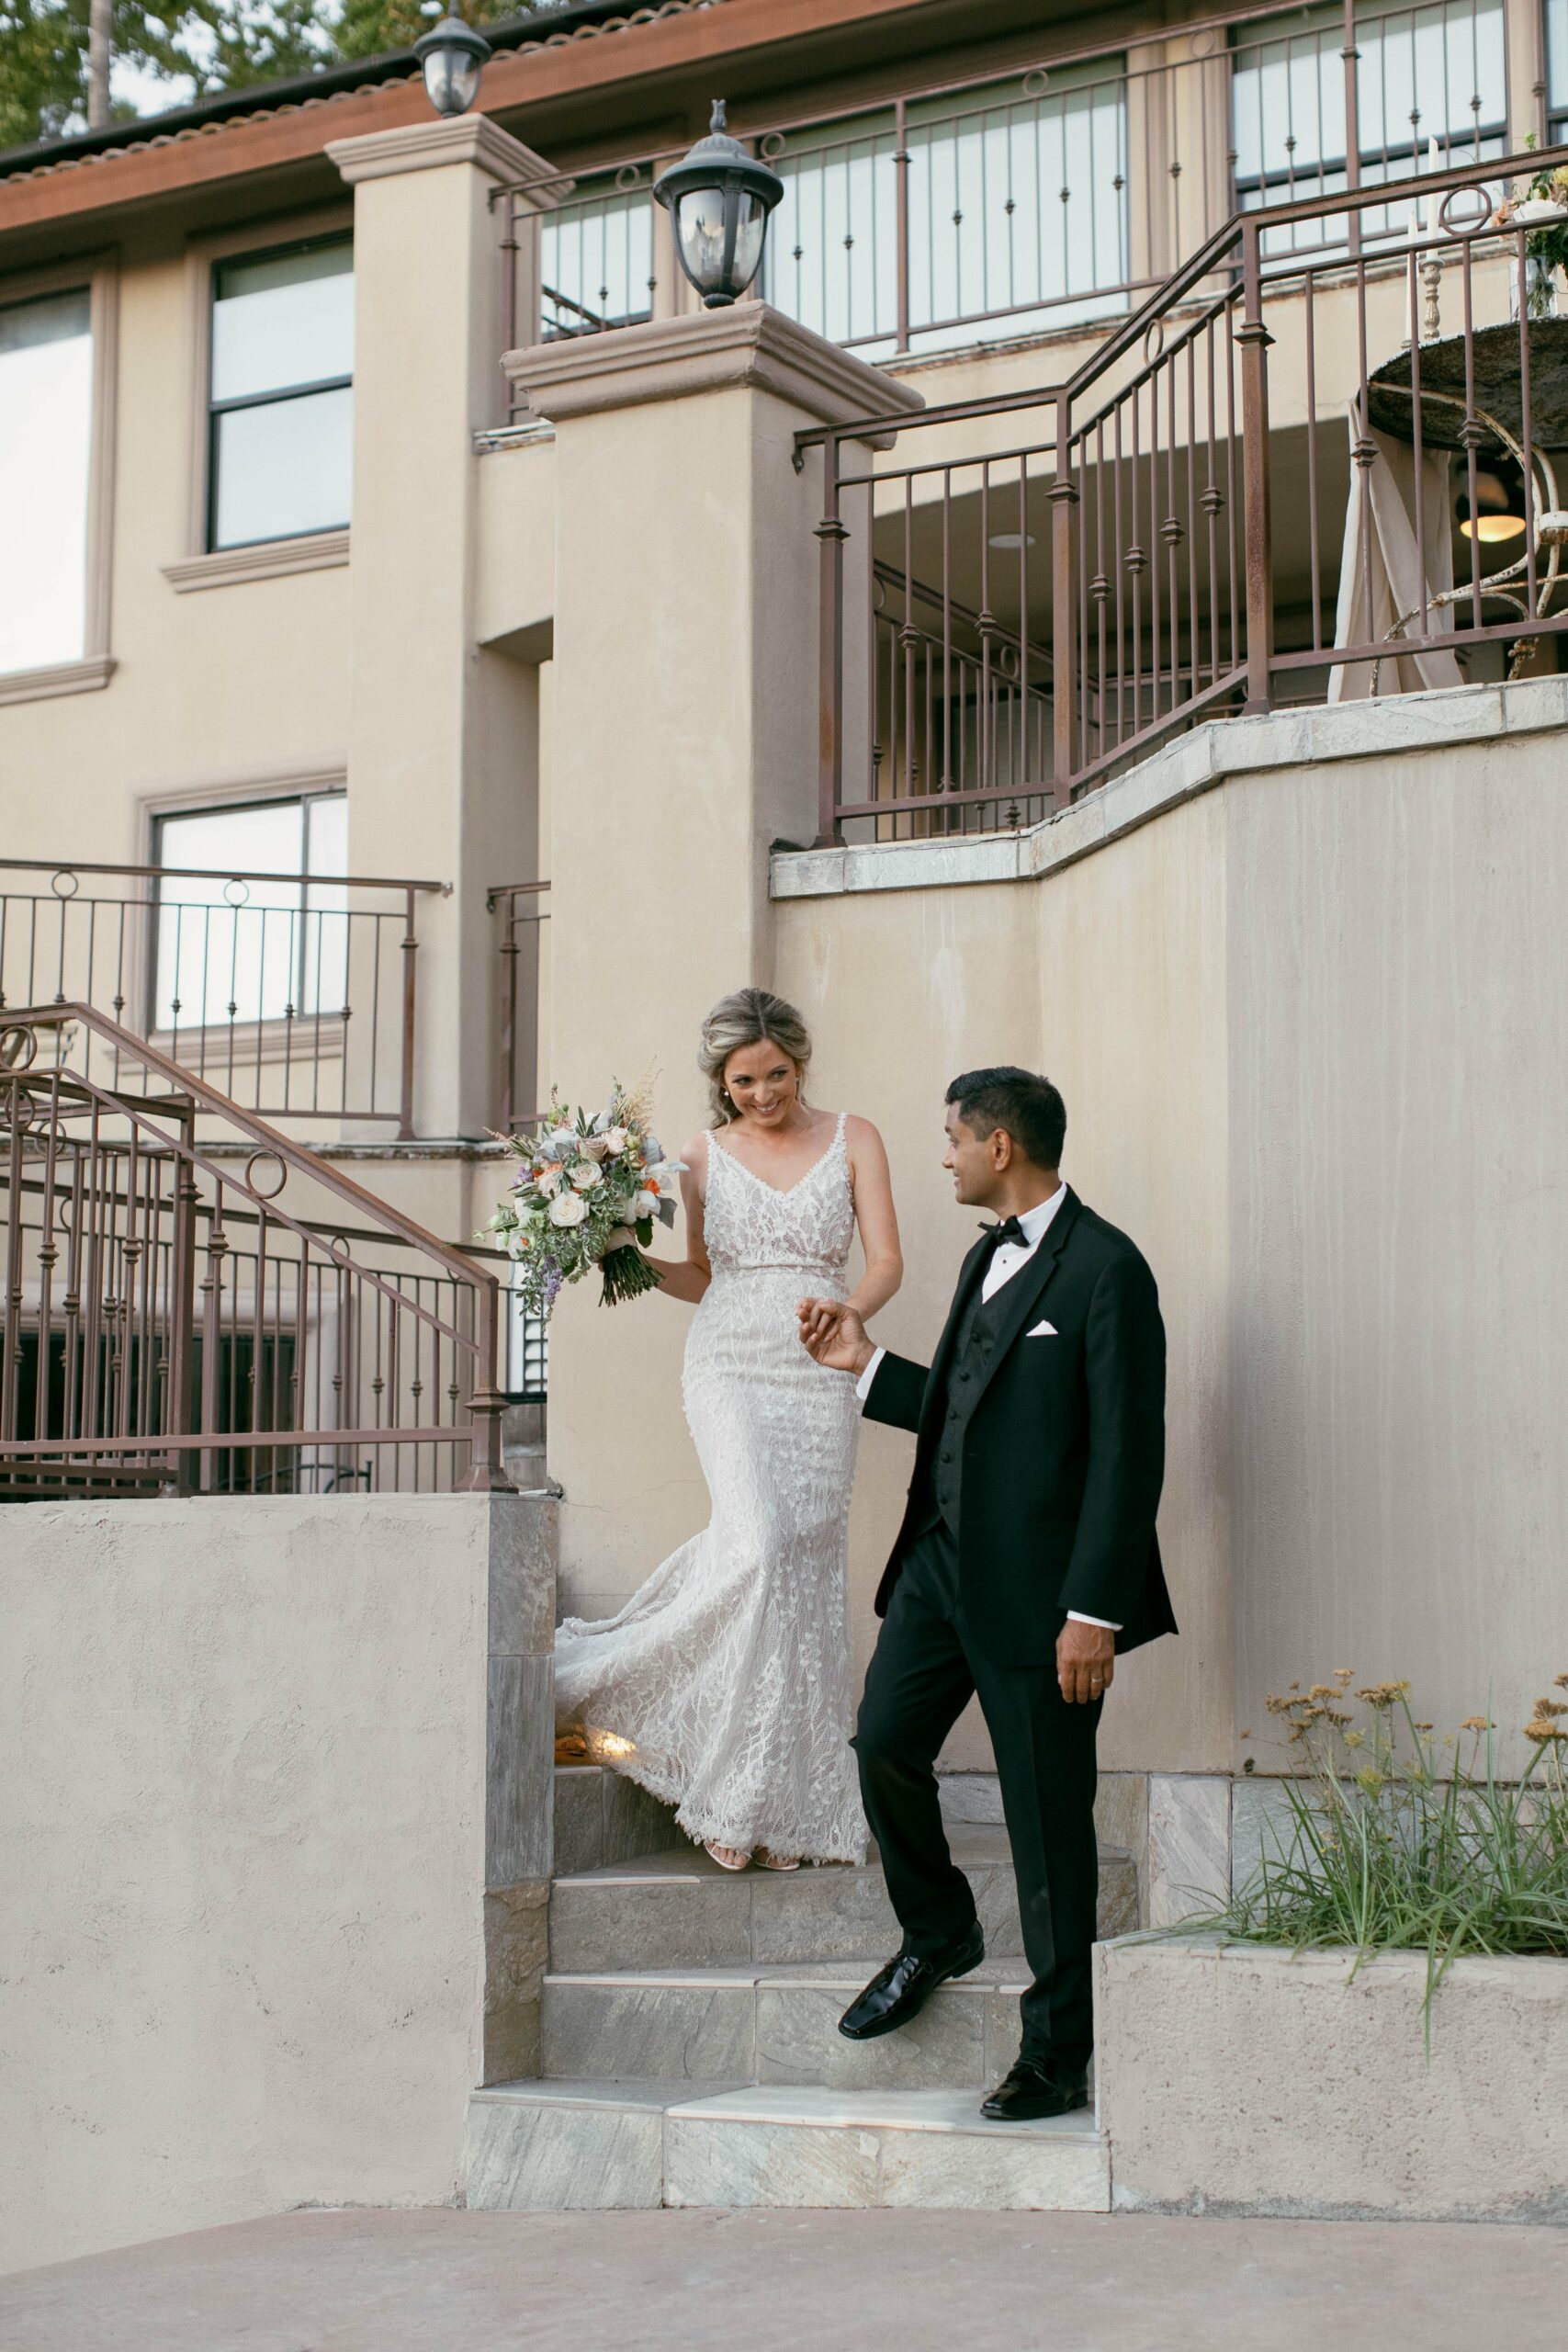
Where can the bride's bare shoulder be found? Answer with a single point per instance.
(862, 1133)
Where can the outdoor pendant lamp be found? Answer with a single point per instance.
(1499, 503)
(718, 199)
(453, 56)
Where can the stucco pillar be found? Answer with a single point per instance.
(684, 743)
(443, 737)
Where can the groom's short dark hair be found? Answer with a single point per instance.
(1029, 1108)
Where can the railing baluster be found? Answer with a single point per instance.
(1255, 339)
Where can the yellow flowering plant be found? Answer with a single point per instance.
(1395, 1840)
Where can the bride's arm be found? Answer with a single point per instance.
(687, 1278)
(876, 1217)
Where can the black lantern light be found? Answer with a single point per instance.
(453, 56)
(718, 199)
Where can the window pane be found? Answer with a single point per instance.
(1016, 201)
(1556, 68)
(283, 469)
(212, 953)
(324, 978)
(283, 318)
(46, 429)
(596, 257)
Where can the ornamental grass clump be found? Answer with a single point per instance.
(1395, 1841)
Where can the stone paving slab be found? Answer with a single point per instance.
(876, 2281)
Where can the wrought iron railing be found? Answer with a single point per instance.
(519, 918)
(193, 1303)
(294, 994)
(1028, 200)
(1388, 367)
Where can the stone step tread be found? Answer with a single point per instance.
(812, 2108)
(1004, 1973)
(971, 1848)
(559, 2145)
(611, 2091)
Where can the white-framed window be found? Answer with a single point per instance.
(1555, 27)
(280, 393)
(234, 950)
(1436, 70)
(596, 265)
(1017, 212)
(47, 424)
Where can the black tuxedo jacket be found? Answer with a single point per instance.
(1064, 1451)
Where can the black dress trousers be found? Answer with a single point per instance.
(922, 1674)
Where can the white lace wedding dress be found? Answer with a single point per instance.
(724, 1685)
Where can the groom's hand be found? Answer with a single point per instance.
(1085, 1661)
(834, 1335)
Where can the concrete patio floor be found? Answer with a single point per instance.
(777, 2282)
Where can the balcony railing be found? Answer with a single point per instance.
(1247, 494)
(296, 995)
(518, 917)
(1048, 198)
(195, 1304)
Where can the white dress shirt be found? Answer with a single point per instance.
(1006, 1259)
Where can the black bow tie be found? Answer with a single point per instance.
(1009, 1229)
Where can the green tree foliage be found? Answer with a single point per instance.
(371, 27)
(205, 46)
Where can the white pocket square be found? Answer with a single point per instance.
(1043, 1331)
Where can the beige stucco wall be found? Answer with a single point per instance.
(242, 1749)
(1307, 1019)
(1113, 977)
(1399, 1289)
(245, 681)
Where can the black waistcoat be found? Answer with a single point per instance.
(966, 1364)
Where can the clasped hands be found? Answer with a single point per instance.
(834, 1335)
(831, 1332)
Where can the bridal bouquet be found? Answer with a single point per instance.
(586, 1194)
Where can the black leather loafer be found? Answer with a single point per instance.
(1034, 2089)
(901, 1990)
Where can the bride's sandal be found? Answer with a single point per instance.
(729, 1857)
(767, 1862)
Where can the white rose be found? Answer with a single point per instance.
(566, 1208)
(585, 1177)
(596, 1146)
(615, 1142)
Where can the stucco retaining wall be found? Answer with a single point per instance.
(1238, 2079)
(247, 1959)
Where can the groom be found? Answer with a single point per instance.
(1026, 1562)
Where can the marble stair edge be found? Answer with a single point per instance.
(551, 2147)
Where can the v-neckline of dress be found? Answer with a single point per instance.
(782, 1192)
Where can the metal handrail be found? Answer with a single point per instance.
(220, 874)
(1209, 257)
(102, 944)
(1162, 589)
(39, 1101)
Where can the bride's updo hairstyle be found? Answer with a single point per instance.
(749, 1017)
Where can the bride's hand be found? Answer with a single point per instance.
(819, 1320)
(834, 1335)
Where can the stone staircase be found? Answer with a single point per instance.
(690, 2046)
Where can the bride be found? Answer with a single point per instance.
(724, 1685)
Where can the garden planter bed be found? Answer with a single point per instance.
(1238, 2078)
